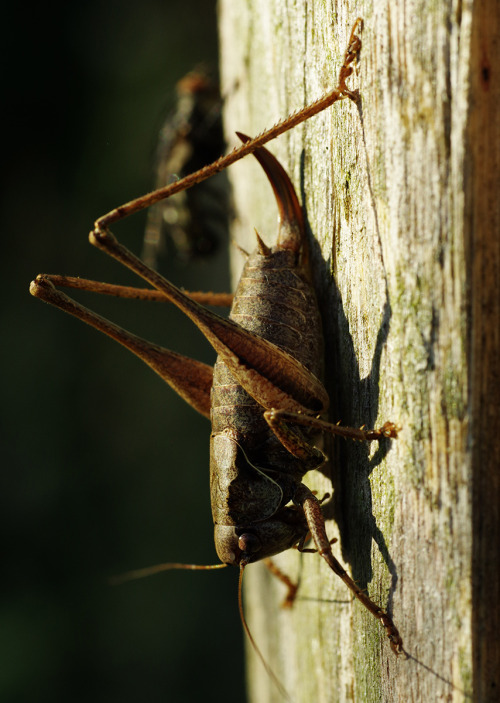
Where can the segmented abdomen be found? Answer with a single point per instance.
(275, 300)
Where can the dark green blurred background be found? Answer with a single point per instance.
(104, 469)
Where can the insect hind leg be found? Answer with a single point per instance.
(191, 379)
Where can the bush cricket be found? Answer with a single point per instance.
(263, 395)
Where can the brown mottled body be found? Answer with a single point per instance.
(275, 300)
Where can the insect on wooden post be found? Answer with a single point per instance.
(263, 395)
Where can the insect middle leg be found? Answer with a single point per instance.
(278, 421)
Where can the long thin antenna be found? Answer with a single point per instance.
(268, 669)
(158, 568)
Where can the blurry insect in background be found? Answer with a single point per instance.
(193, 222)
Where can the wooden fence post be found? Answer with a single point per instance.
(402, 198)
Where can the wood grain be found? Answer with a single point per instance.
(401, 198)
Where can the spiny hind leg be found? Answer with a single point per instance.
(191, 379)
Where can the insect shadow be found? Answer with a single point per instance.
(354, 401)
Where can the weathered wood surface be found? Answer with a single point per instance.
(401, 197)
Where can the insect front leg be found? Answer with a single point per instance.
(316, 523)
(300, 448)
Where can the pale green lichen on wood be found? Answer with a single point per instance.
(453, 393)
(366, 648)
(392, 193)
(465, 670)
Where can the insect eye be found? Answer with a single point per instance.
(249, 543)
